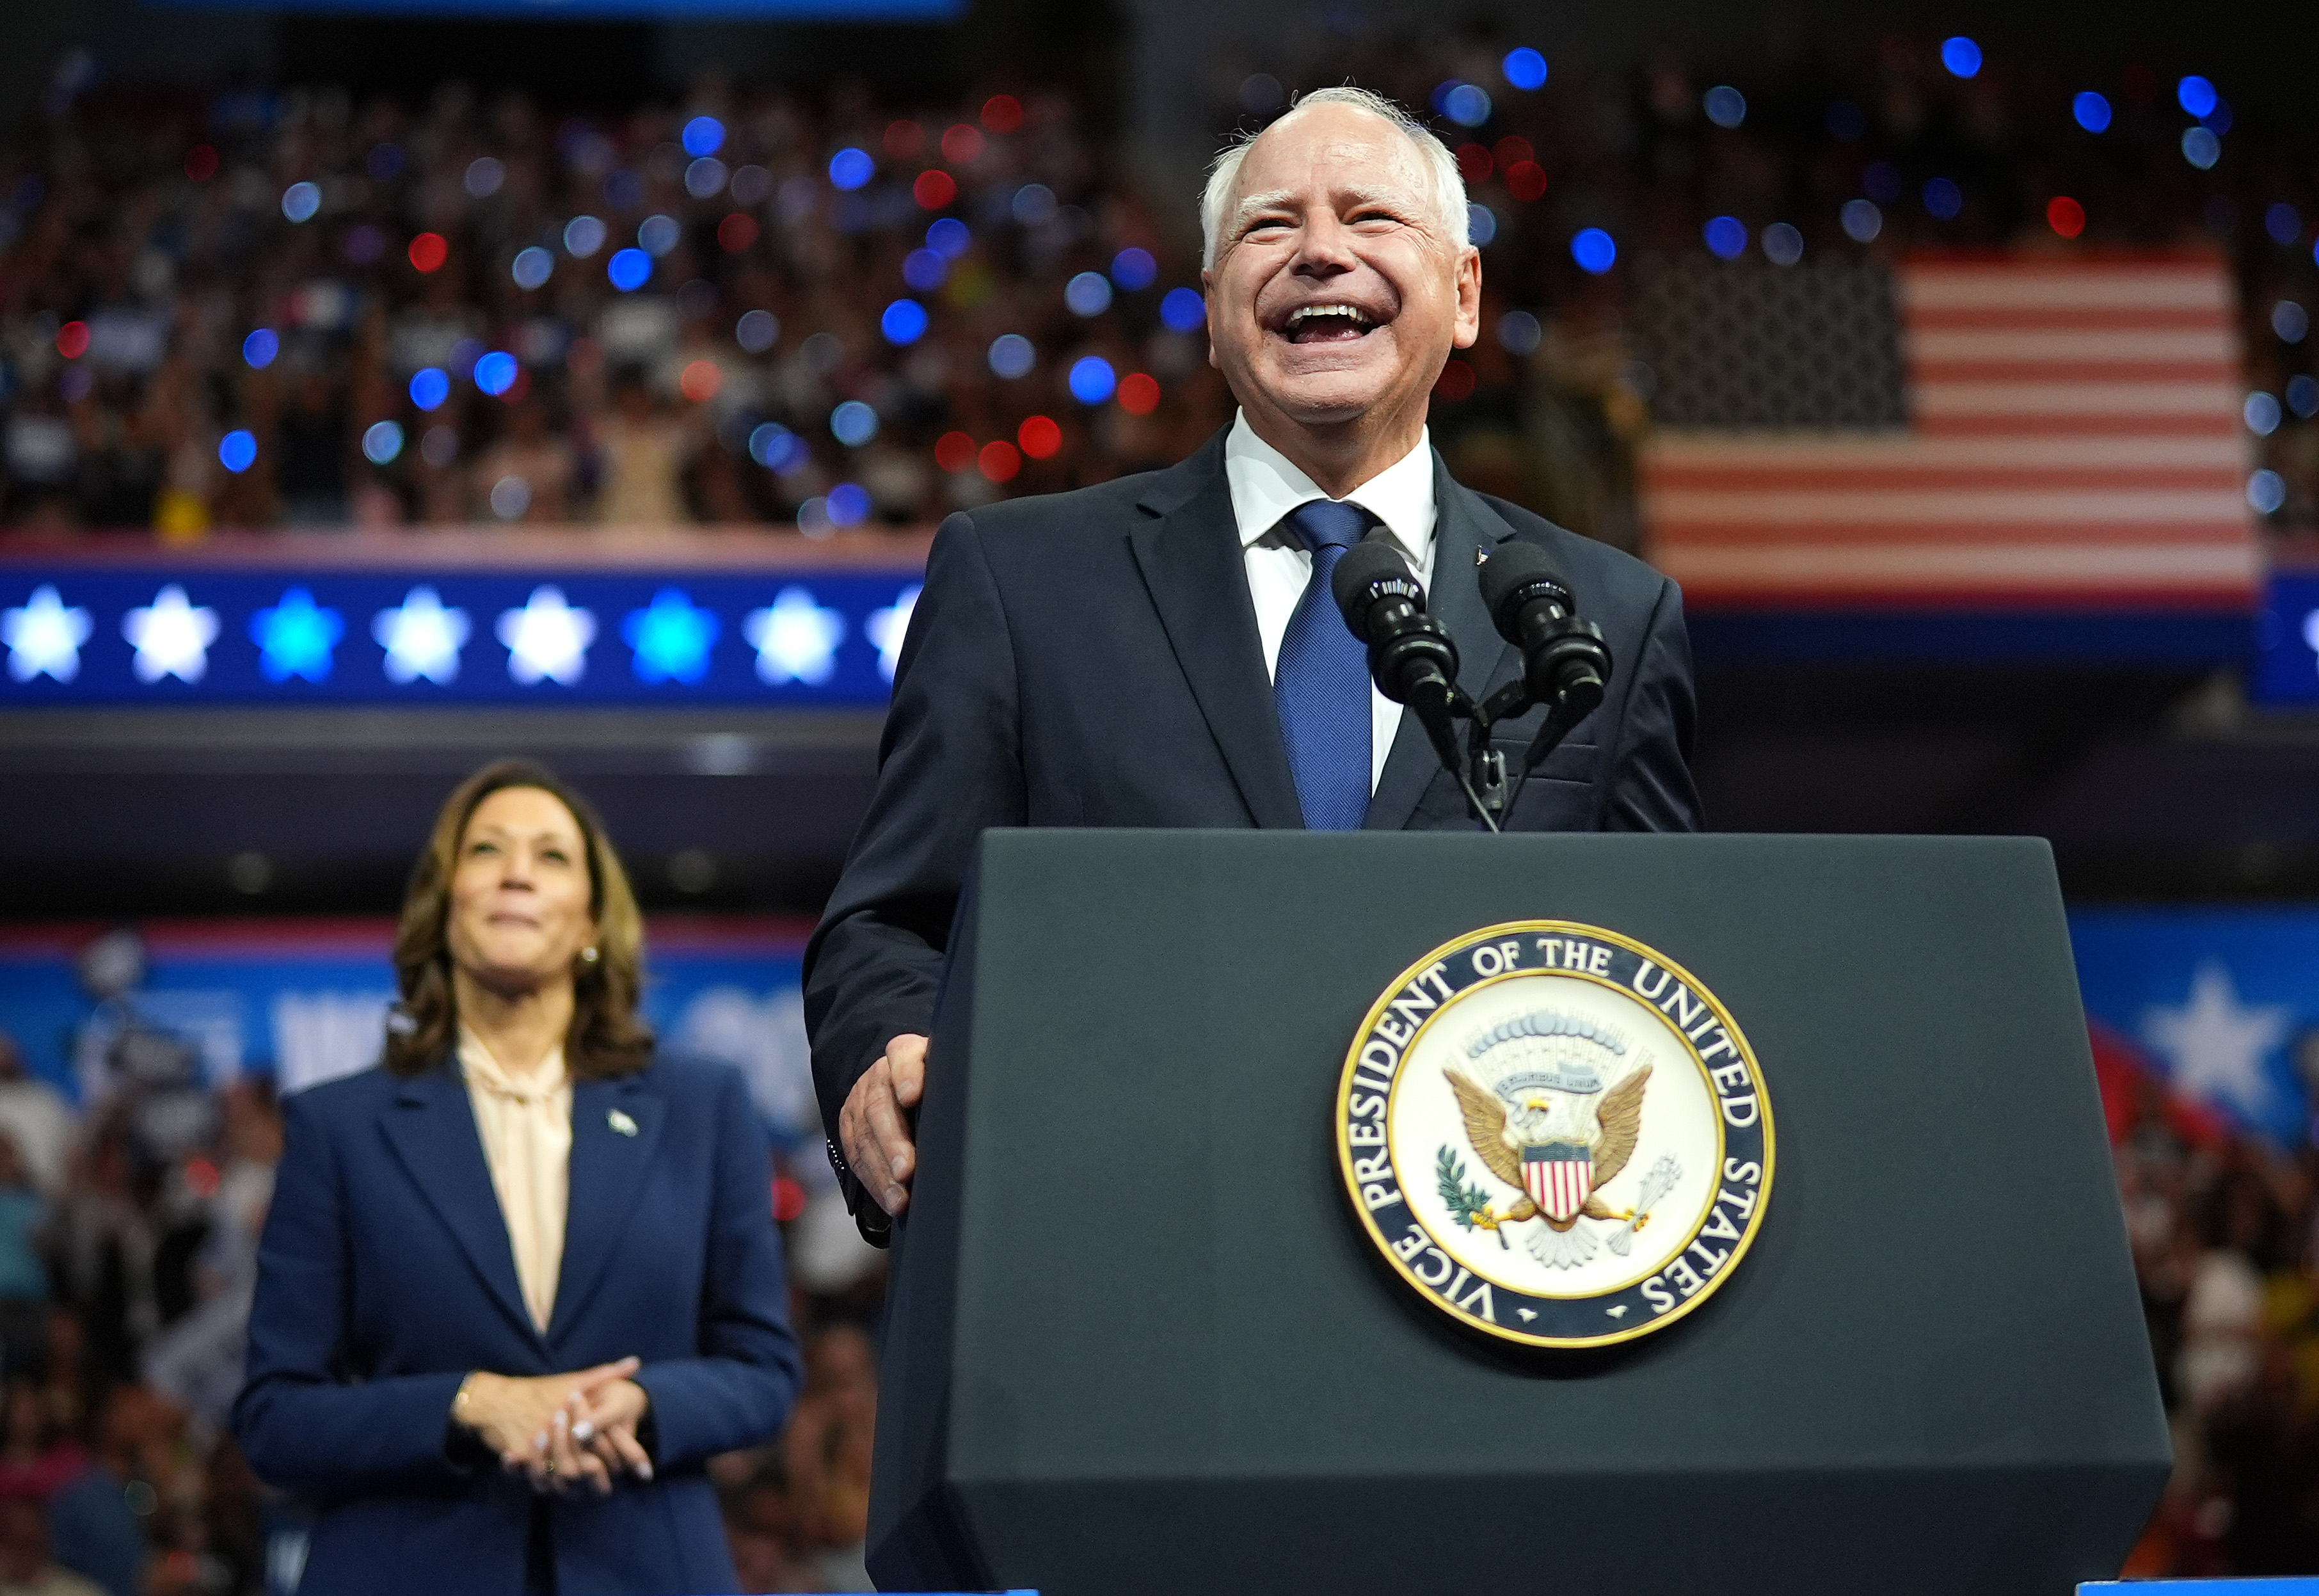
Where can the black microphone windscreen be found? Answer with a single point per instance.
(1364, 563)
(1514, 566)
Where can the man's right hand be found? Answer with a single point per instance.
(874, 1127)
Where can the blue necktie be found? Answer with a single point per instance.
(1321, 683)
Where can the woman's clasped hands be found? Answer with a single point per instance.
(572, 1431)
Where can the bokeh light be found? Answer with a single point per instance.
(431, 385)
(237, 450)
(1133, 269)
(1519, 332)
(1468, 105)
(72, 340)
(1456, 382)
(851, 168)
(2065, 216)
(954, 451)
(2266, 491)
(429, 251)
(1040, 437)
(1526, 181)
(1726, 106)
(1088, 294)
(1524, 69)
(510, 496)
(2290, 322)
(700, 380)
(628, 269)
(2091, 111)
(656, 235)
(1002, 114)
(1001, 462)
(853, 423)
(1139, 393)
(1033, 204)
(705, 177)
(961, 144)
(2201, 149)
(1727, 238)
(1012, 356)
(381, 442)
(934, 189)
(849, 504)
(1594, 250)
(1961, 56)
(1943, 198)
(483, 177)
(2303, 395)
(903, 140)
(1783, 244)
(1862, 220)
(904, 322)
(439, 447)
(495, 373)
(583, 236)
(1184, 310)
(775, 447)
(299, 201)
(259, 349)
(2262, 414)
(531, 267)
(1092, 380)
(2284, 223)
(924, 270)
(2195, 95)
(384, 161)
(703, 136)
(201, 163)
(950, 238)
(736, 232)
(1473, 162)
(1481, 225)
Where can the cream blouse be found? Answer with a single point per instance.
(525, 1126)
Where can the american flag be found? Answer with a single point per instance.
(2051, 432)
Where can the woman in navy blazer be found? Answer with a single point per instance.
(398, 1376)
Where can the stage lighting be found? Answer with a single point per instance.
(1012, 356)
(299, 201)
(1943, 199)
(583, 236)
(2091, 111)
(1783, 244)
(2266, 491)
(1087, 293)
(2262, 414)
(1727, 236)
(629, 269)
(1519, 332)
(904, 322)
(381, 442)
(1481, 225)
(1594, 250)
(853, 423)
(757, 331)
(703, 136)
(1092, 380)
(1726, 106)
(259, 348)
(1133, 269)
(2290, 322)
(851, 168)
(1862, 220)
(2201, 148)
(949, 238)
(1184, 310)
(1961, 56)
(1524, 69)
(2195, 95)
(531, 267)
(237, 450)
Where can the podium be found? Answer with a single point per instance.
(1137, 1341)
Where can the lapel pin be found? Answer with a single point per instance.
(620, 1123)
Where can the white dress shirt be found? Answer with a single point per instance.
(1266, 485)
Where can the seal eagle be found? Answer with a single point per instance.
(1618, 1121)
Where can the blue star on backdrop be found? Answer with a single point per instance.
(671, 638)
(296, 638)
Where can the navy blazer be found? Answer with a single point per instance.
(1092, 659)
(385, 1275)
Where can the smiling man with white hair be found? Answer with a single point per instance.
(1163, 649)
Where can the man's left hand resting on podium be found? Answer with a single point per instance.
(874, 1125)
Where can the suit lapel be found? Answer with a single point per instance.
(431, 1127)
(1464, 529)
(1190, 552)
(615, 1126)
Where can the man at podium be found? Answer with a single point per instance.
(1165, 651)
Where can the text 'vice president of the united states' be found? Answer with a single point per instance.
(1164, 650)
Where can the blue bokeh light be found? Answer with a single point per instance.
(2263, 414)
(464, 355)
(1943, 198)
(850, 168)
(1594, 250)
(1525, 69)
(495, 373)
(1862, 220)
(1726, 106)
(237, 450)
(583, 236)
(296, 638)
(2092, 112)
(2303, 395)
(1033, 204)
(259, 348)
(429, 387)
(1481, 225)
(1092, 379)
(776, 448)
(1468, 105)
(904, 322)
(299, 201)
(924, 270)
(629, 269)
(2266, 491)
(2284, 223)
(849, 504)
(1961, 56)
(1727, 238)
(2195, 95)
(2201, 149)
(1012, 356)
(656, 235)
(670, 636)
(703, 136)
(381, 442)
(1184, 310)
(1088, 294)
(853, 423)
(1133, 269)
(950, 238)
(1783, 244)
(531, 267)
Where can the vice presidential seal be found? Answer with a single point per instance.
(1555, 1134)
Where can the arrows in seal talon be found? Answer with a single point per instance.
(1657, 1184)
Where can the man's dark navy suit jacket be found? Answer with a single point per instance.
(1091, 658)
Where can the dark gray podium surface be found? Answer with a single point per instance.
(1136, 1342)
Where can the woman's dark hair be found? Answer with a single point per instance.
(607, 1038)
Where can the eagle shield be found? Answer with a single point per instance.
(1559, 1177)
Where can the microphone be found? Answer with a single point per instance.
(1566, 664)
(1411, 655)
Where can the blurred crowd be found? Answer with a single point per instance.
(754, 308)
(128, 1253)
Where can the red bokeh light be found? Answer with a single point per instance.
(2065, 216)
(201, 1177)
(201, 163)
(1002, 114)
(789, 1199)
(1472, 162)
(72, 340)
(954, 451)
(1000, 461)
(1139, 393)
(934, 189)
(429, 252)
(700, 381)
(905, 140)
(736, 232)
(1457, 382)
(1513, 150)
(961, 144)
(1040, 437)
(1526, 180)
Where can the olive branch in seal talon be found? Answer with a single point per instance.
(1468, 1203)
